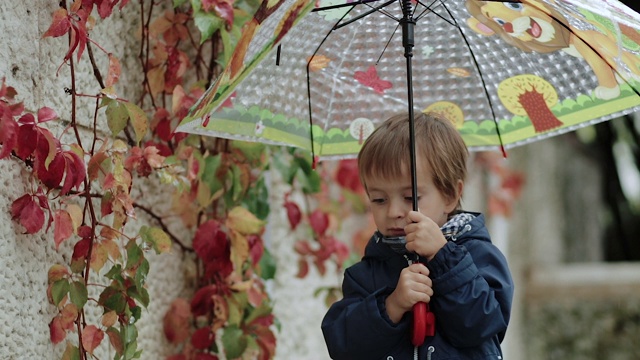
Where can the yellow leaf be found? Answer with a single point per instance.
(98, 257)
(159, 239)
(112, 249)
(109, 92)
(138, 120)
(156, 80)
(460, 72)
(109, 319)
(239, 250)
(76, 216)
(244, 222)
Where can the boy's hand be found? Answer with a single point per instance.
(414, 285)
(423, 235)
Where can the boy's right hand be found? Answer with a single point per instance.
(414, 285)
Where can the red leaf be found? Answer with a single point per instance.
(75, 171)
(8, 134)
(28, 139)
(45, 114)
(29, 214)
(81, 249)
(202, 301)
(256, 248)
(60, 24)
(347, 175)
(62, 226)
(202, 338)
(51, 176)
(176, 321)
(319, 222)
(211, 243)
(91, 338)
(27, 119)
(56, 331)
(293, 213)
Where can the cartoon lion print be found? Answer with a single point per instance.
(539, 27)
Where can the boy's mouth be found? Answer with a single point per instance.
(395, 232)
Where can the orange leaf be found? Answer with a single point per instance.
(303, 268)
(318, 63)
(62, 226)
(114, 71)
(91, 338)
(109, 319)
(60, 24)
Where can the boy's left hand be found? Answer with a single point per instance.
(423, 235)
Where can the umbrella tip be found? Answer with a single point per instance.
(316, 159)
(504, 151)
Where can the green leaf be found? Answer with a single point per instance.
(130, 333)
(131, 350)
(117, 117)
(178, 3)
(258, 312)
(211, 166)
(310, 181)
(59, 290)
(141, 274)
(134, 255)
(115, 274)
(156, 237)
(267, 266)
(196, 5)
(257, 199)
(71, 352)
(138, 120)
(234, 341)
(207, 23)
(78, 294)
(140, 294)
(112, 299)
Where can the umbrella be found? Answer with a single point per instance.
(321, 75)
(505, 73)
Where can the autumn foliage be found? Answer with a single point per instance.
(82, 185)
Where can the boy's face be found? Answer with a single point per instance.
(391, 200)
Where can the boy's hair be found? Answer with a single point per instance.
(385, 153)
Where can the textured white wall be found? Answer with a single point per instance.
(29, 64)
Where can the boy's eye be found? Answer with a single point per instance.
(377, 200)
(410, 198)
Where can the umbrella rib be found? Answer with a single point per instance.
(309, 80)
(429, 9)
(484, 84)
(373, 9)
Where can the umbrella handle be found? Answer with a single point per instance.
(424, 323)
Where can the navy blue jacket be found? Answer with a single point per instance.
(472, 298)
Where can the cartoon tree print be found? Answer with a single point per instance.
(360, 129)
(447, 110)
(532, 96)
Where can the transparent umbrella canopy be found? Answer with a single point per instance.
(505, 73)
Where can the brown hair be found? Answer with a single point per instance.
(385, 153)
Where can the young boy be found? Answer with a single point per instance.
(460, 274)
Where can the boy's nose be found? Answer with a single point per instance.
(397, 209)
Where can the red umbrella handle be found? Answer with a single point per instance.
(424, 323)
